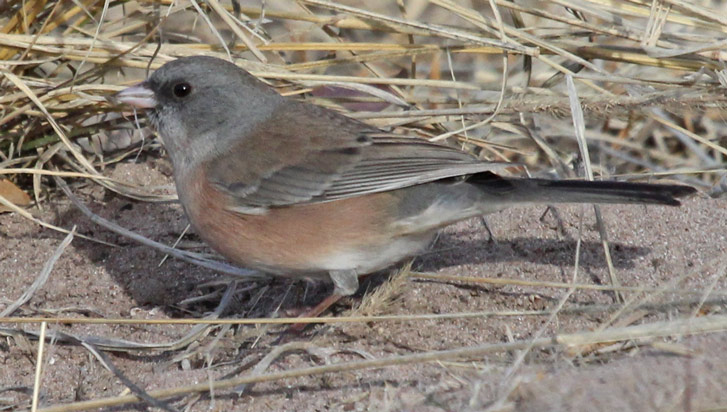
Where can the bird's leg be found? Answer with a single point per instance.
(345, 284)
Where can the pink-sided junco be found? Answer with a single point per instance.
(297, 190)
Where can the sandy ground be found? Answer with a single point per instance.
(650, 246)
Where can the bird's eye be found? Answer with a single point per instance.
(182, 89)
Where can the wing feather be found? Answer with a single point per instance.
(326, 156)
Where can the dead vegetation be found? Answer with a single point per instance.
(643, 82)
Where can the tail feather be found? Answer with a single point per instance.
(519, 190)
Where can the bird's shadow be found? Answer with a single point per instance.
(450, 251)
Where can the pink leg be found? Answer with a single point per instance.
(315, 311)
(345, 284)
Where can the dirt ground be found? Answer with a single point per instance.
(650, 246)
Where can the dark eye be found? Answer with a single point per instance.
(182, 89)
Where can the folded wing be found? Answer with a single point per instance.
(327, 156)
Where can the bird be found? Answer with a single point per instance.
(296, 190)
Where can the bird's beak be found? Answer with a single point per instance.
(139, 96)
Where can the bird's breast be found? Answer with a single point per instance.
(300, 240)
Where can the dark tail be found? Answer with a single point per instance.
(524, 190)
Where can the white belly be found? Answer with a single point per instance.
(372, 259)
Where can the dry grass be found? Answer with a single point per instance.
(655, 75)
(649, 76)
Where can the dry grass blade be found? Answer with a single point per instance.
(637, 88)
(109, 344)
(135, 389)
(22, 212)
(25, 89)
(238, 32)
(430, 28)
(42, 277)
(38, 368)
(579, 126)
(522, 354)
(201, 328)
(558, 285)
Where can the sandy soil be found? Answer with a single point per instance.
(650, 246)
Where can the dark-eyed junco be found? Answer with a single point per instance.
(296, 190)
